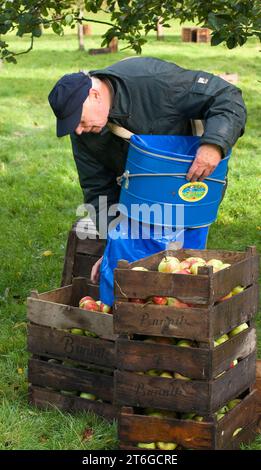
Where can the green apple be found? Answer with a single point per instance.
(167, 375)
(90, 333)
(149, 445)
(223, 410)
(88, 396)
(139, 268)
(232, 403)
(228, 296)
(238, 330)
(224, 266)
(184, 343)
(219, 416)
(236, 431)
(220, 340)
(237, 290)
(169, 264)
(195, 266)
(198, 418)
(216, 263)
(188, 415)
(181, 377)
(67, 392)
(166, 445)
(77, 331)
(153, 372)
(193, 259)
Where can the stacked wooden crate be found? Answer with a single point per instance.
(194, 34)
(156, 409)
(72, 351)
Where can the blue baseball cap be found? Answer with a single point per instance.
(66, 100)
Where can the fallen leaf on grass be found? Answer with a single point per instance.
(87, 434)
(47, 253)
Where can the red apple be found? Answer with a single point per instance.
(174, 302)
(90, 305)
(194, 259)
(185, 264)
(104, 308)
(159, 300)
(85, 299)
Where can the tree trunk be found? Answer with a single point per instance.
(160, 35)
(80, 33)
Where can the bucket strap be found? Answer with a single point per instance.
(126, 176)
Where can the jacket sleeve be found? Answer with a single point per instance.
(220, 105)
(95, 178)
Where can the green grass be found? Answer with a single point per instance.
(39, 194)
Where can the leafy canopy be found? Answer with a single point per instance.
(231, 21)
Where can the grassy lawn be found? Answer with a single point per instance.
(39, 194)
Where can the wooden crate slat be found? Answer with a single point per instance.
(243, 415)
(161, 321)
(140, 356)
(60, 295)
(142, 284)
(238, 309)
(59, 377)
(44, 398)
(140, 428)
(234, 382)
(238, 347)
(54, 343)
(69, 258)
(90, 247)
(60, 316)
(83, 265)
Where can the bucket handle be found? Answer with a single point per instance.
(126, 176)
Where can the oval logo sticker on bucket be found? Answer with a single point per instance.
(193, 192)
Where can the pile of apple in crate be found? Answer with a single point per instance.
(71, 339)
(186, 351)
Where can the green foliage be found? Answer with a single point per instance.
(231, 21)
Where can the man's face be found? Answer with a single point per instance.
(95, 114)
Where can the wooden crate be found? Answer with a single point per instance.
(50, 315)
(195, 34)
(204, 322)
(135, 427)
(82, 251)
(258, 386)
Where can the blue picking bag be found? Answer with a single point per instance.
(132, 247)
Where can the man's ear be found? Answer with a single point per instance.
(94, 94)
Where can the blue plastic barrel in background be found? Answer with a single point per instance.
(160, 156)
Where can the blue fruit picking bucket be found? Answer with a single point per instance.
(154, 186)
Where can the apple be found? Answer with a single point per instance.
(183, 271)
(188, 415)
(198, 418)
(53, 361)
(85, 299)
(237, 290)
(195, 266)
(221, 340)
(137, 301)
(90, 333)
(169, 264)
(167, 375)
(149, 445)
(236, 432)
(88, 396)
(224, 266)
(166, 445)
(238, 330)
(160, 413)
(185, 343)
(195, 259)
(174, 302)
(228, 296)
(104, 308)
(159, 300)
(77, 331)
(90, 305)
(180, 377)
(153, 372)
(67, 392)
(216, 263)
(232, 403)
(223, 410)
(185, 264)
(159, 340)
(220, 416)
(139, 268)
(233, 364)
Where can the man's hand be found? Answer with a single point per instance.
(95, 274)
(207, 158)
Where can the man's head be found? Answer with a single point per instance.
(80, 103)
